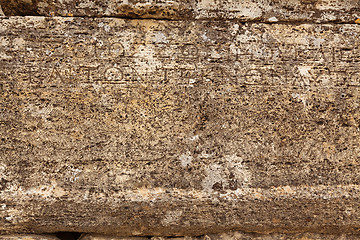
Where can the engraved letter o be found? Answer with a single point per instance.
(116, 49)
(113, 74)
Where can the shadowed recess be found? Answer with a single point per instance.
(68, 235)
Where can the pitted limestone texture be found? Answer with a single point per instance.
(245, 10)
(92, 236)
(175, 128)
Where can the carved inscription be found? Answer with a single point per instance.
(121, 61)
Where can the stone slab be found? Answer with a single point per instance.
(245, 10)
(157, 128)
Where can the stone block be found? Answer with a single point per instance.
(174, 128)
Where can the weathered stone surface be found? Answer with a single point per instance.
(253, 10)
(92, 236)
(235, 236)
(222, 236)
(298, 236)
(153, 128)
(28, 237)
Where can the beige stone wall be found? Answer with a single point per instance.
(207, 118)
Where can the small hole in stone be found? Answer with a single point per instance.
(68, 235)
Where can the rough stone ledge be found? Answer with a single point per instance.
(248, 10)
